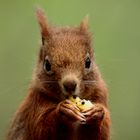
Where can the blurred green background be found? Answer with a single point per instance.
(116, 28)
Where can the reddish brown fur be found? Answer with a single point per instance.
(38, 117)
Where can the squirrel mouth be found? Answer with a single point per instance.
(71, 93)
(67, 95)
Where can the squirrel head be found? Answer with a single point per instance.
(65, 58)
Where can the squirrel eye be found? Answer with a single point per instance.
(87, 63)
(47, 65)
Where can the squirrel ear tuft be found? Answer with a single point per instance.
(43, 24)
(84, 24)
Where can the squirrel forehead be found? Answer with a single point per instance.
(71, 36)
(70, 41)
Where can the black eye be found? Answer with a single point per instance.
(47, 65)
(87, 63)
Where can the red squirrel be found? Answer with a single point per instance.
(65, 66)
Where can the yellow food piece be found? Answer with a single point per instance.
(81, 104)
(85, 105)
(75, 99)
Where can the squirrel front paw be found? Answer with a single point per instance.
(70, 111)
(95, 114)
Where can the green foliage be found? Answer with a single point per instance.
(116, 27)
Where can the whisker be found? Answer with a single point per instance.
(90, 82)
(49, 81)
(85, 81)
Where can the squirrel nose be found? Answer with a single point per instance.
(69, 86)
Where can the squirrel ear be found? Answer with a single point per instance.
(84, 24)
(43, 24)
